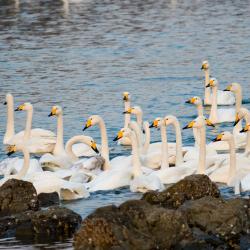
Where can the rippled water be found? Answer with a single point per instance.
(83, 54)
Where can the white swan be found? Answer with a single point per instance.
(37, 140)
(126, 99)
(122, 175)
(137, 111)
(45, 182)
(10, 137)
(97, 120)
(222, 97)
(60, 157)
(171, 175)
(219, 115)
(238, 167)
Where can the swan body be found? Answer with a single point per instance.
(219, 115)
(223, 98)
(46, 182)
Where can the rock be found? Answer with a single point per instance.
(220, 221)
(190, 188)
(17, 196)
(48, 199)
(54, 221)
(133, 225)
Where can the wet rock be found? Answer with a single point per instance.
(54, 221)
(17, 196)
(133, 225)
(219, 222)
(190, 188)
(48, 199)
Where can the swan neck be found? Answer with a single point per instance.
(200, 110)
(59, 147)
(135, 155)
(105, 147)
(232, 168)
(135, 127)
(10, 126)
(179, 157)
(164, 147)
(238, 99)
(69, 145)
(147, 140)
(213, 113)
(126, 116)
(202, 151)
(207, 97)
(26, 163)
(139, 119)
(28, 124)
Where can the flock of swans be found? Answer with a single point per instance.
(81, 166)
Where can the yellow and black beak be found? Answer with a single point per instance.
(228, 88)
(154, 124)
(128, 111)
(190, 125)
(245, 129)
(53, 112)
(218, 138)
(20, 108)
(210, 84)
(94, 147)
(237, 119)
(191, 100)
(202, 66)
(87, 124)
(11, 150)
(5, 103)
(209, 123)
(119, 136)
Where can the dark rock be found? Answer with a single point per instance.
(17, 196)
(190, 188)
(48, 199)
(54, 221)
(220, 220)
(133, 225)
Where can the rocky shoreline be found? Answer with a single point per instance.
(188, 215)
(22, 216)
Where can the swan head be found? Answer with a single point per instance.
(136, 110)
(224, 136)
(205, 65)
(8, 98)
(233, 87)
(213, 82)
(11, 149)
(199, 122)
(92, 120)
(169, 119)
(93, 145)
(156, 123)
(126, 96)
(195, 100)
(25, 106)
(240, 115)
(245, 129)
(124, 132)
(55, 110)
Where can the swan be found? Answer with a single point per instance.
(10, 136)
(37, 140)
(219, 115)
(237, 169)
(126, 99)
(59, 157)
(222, 97)
(128, 174)
(169, 175)
(97, 120)
(45, 182)
(137, 111)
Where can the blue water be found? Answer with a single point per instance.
(83, 54)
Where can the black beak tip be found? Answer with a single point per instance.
(186, 127)
(10, 153)
(235, 123)
(242, 131)
(5, 103)
(96, 150)
(207, 86)
(187, 101)
(151, 126)
(84, 128)
(226, 90)
(16, 109)
(214, 140)
(115, 139)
